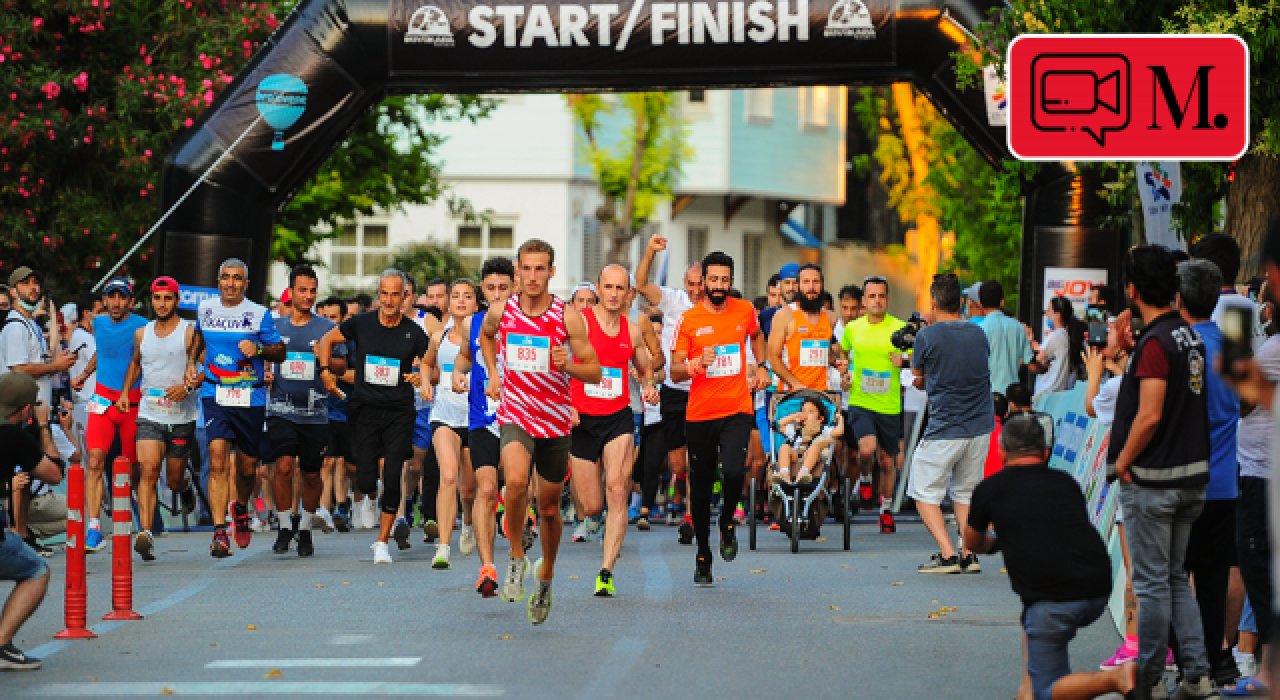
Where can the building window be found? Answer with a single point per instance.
(479, 242)
(760, 106)
(752, 251)
(360, 249)
(697, 244)
(698, 97)
(815, 107)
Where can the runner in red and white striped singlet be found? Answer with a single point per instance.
(535, 394)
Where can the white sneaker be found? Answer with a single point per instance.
(513, 586)
(381, 555)
(257, 525)
(580, 533)
(441, 560)
(323, 519)
(467, 540)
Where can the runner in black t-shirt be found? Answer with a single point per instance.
(381, 408)
(1056, 560)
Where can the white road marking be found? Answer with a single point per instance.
(390, 662)
(83, 690)
(342, 639)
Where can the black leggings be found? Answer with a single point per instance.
(1211, 552)
(430, 484)
(723, 441)
(648, 468)
(1253, 540)
(381, 432)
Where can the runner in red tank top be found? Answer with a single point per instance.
(603, 424)
(530, 332)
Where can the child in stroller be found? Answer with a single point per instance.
(809, 440)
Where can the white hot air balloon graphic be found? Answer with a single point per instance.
(282, 98)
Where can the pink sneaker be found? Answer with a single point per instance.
(1118, 659)
(1170, 663)
(740, 515)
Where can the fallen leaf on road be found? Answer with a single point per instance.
(759, 571)
(504, 636)
(93, 678)
(896, 583)
(273, 673)
(321, 585)
(1004, 571)
(722, 578)
(835, 607)
(380, 583)
(948, 609)
(166, 691)
(844, 566)
(821, 539)
(934, 602)
(934, 616)
(214, 644)
(253, 627)
(573, 577)
(346, 583)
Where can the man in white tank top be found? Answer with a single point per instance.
(167, 415)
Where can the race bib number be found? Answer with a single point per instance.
(98, 405)
(610, 386)
(233, 396)
(160, 404)
(813, 353)
(875, 382)
(298, 365)
(728, 361)
(383, 371)
(528, 353)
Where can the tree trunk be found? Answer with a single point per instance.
(1252, 201)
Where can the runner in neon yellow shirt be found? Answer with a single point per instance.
(875, 395)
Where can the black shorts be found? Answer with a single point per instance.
(886, 427)
(723, 441)
(486, 448)
(307, 442)
(673, 404)
(340, 440)
(378, 433)
(177, 439)
(460, 432)
(594, 432)
(550, 455)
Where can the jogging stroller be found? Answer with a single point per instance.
(800, 510)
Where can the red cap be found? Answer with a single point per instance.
(285, 297)
(165, 284)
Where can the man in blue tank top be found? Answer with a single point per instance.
(497, 277)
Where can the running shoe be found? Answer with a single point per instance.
(401, 533)
(1118, 659)
(430, 532)
(273, 522)
(342, 517)
(487, 584)
(305, 546)
(702, 572)
(865, 493)
(969, 564)
(513, 586)
(938, 565)
(887, 526)
(1170, 662)
(240, 520)
(604, 584)
(580, 533)
(773, 527)
(144, 546)
(187, 497)
(467, 540)
(323, 519)
(221, 545)
(381, 553)
(729, 543)
(283, 540)
(94, 541)
(642, 522)
(540, 601)
(673, 515)
(441, 560)
(739, 515)
(633, 514)
(803, 477)
(685, 535)
(12, 659)
(593, 523)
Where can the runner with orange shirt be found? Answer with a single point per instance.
(710, 350)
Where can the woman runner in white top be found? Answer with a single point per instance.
(449, 421)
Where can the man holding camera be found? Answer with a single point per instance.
(950, 364)
(875, 394)
(22, 343)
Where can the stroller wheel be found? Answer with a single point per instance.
(796, 502)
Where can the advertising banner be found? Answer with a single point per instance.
(1072, 283)
(1160, 187)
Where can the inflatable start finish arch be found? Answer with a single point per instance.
(331, 60)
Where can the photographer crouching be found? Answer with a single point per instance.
(950, 364)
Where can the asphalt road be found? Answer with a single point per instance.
(817, 624)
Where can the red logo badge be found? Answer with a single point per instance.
(1128, 97)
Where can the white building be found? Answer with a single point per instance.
(759, 156)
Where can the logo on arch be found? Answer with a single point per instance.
(849, 18)
(429, 25)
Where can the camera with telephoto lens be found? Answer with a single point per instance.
(905, 338)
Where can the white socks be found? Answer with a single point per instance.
(94, 524)
(305, 522)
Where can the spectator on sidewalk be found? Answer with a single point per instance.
(1160, 453)
(1007, 339)
(1055, 558)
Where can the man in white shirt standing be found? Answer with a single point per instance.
(22, 343)
(674, 395)
(84, 347)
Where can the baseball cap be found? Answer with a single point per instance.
(118, 284)
(21, 274)
(972, 292)
(166, 284)
(789, 271)
(585, 285)
(68, 312)
(17, 391)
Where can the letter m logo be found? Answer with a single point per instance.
(1161, 85)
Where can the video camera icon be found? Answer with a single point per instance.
(1085, 91)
